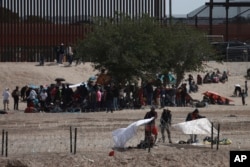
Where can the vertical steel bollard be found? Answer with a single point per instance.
(212, 135)
(75, 140)
(6, 146)
(70, 138)
(218, 137)
(149, 138)
(3, 142)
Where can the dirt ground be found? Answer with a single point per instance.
(43, 139)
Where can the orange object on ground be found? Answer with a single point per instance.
(112, 153)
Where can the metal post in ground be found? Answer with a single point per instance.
(75, 140)
(218, 137)
(3, 133)
(6, 146)
(212, 135)
(149, 138)
(70, 138)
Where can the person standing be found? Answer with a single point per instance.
(193, 116)
(98, 98)
(43, 96)
(149, 92)
(243, 96)
(165, 123)
(183, 95)
(23, 92)
(70, 54)
(150, 127)
(109, 99)
(190, 80)
(61, 53)
(6, 99)
(163, 96)
(157, 96)
(31, 98)
(116, 96)
(15, 94)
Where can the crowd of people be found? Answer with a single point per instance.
(101, 94)
(216, 77)
(92, 96)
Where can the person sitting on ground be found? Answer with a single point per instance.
(206, 99)
(166, 119)
(212, 99)
(215, 77)
(150, 127)
(219, 100)
(193, 116)
(193, 87)
(218, 72)
(224, 77)
(207, 78)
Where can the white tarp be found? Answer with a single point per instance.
(76, 85)
(198, 126)
(122, 135)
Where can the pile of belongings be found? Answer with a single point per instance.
(224, 141)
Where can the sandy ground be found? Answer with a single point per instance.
(43, 139)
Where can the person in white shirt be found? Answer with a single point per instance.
(43, 97)
(30, 99)
(6, 99)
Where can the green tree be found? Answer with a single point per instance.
(132, 49)
(189, 50)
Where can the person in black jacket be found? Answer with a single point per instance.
(193, 116)
(109, 99)
(150, 127)
(15, 94)
(166, 119)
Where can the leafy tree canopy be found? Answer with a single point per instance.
(131, 49)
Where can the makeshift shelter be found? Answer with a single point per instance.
(122, 135)
(215, 96)
(198, 126)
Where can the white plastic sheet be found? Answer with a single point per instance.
(122, 135)
(198, 126)
(76, 85)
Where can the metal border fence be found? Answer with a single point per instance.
(30, 29)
